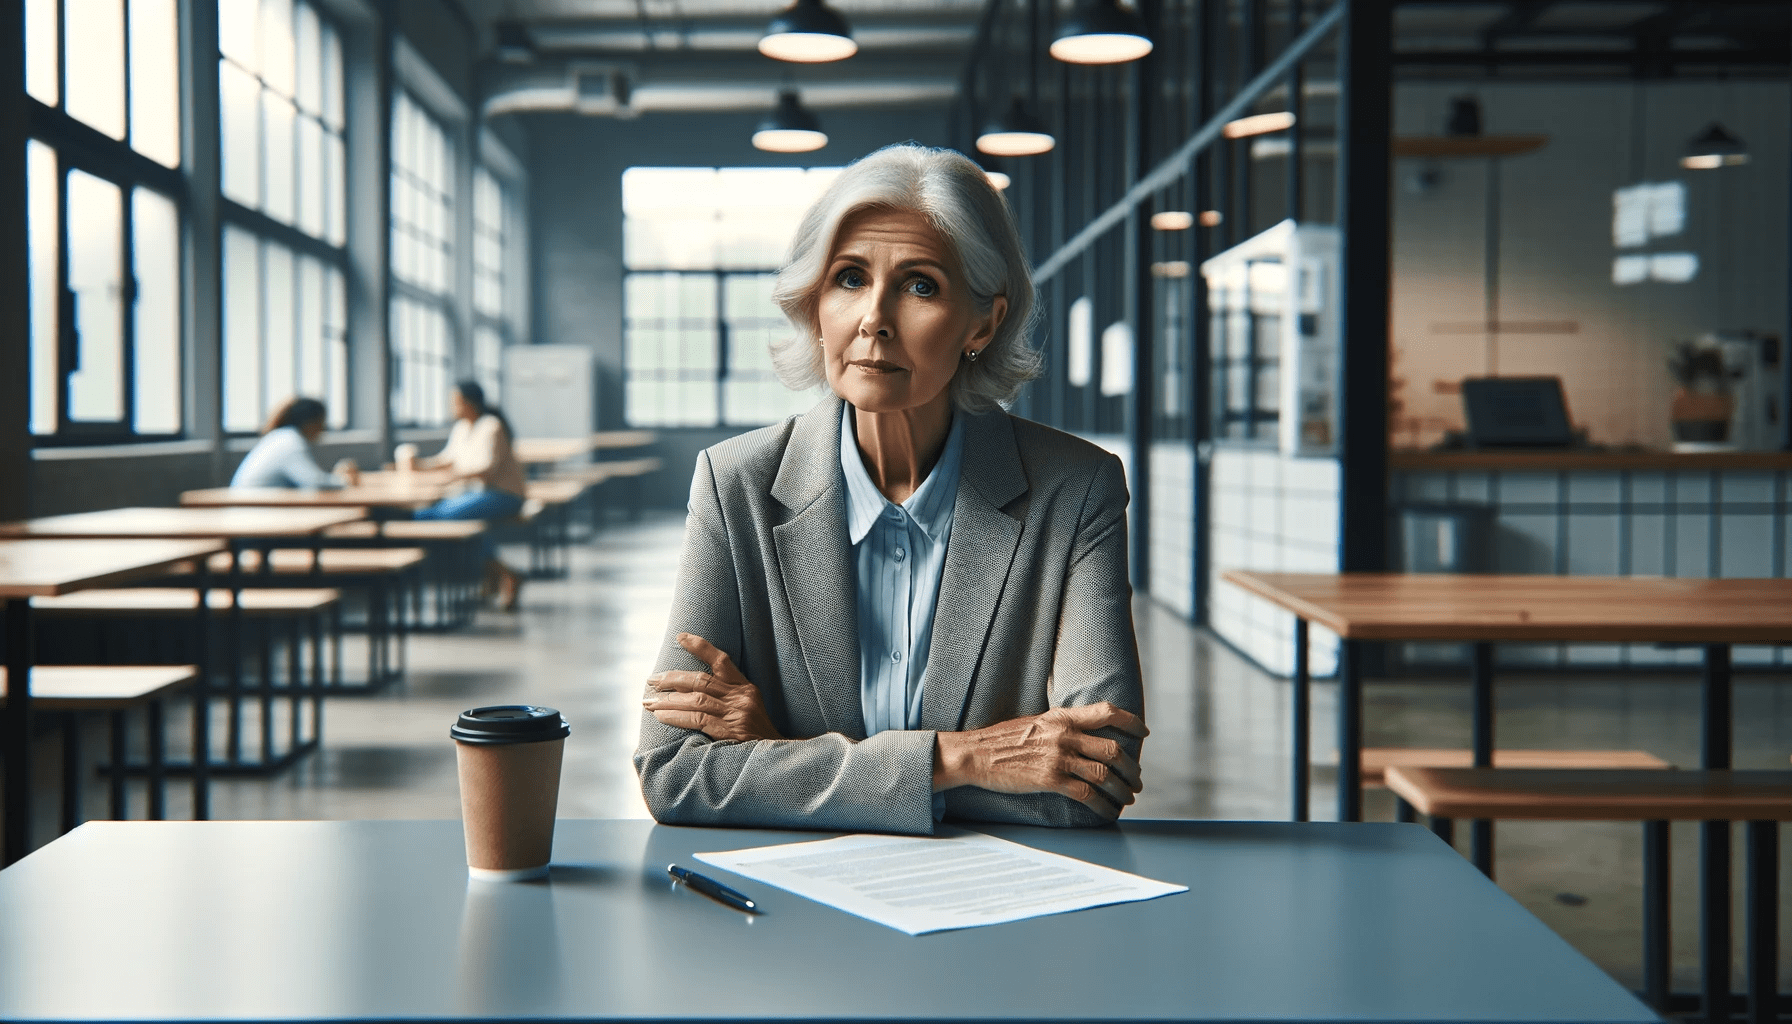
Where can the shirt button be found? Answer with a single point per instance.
(895, 655)
(901, 554)
(896, 513)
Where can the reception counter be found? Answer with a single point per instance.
(1615, 512)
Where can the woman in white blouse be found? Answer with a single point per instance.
(282, 458)
(478, 456)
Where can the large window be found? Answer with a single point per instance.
(280, 85)
(104, 218)
(491, 319)
(701, 246)
(422, 265)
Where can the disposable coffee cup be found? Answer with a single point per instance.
(509, 757)
(404, 457)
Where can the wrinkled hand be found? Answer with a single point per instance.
(1052, 752)
(720, 703)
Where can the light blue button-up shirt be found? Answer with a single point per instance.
(899, 554)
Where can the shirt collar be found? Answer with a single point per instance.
(931, 504)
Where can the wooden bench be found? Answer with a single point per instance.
(1654, 797)
(453, 572)
(545, 511)
(75, 691)
(1377, 760)
(301, 608)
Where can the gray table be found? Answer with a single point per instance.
(308, 920)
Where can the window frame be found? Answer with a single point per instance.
(421, 93)
(77, 145)
(233, 213)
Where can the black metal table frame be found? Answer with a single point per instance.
(1717, 732)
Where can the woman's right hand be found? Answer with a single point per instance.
(1054, 752)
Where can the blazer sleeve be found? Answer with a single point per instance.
(882, 784)
(1096, 657)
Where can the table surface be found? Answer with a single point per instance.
(1474, 607)
(559, 449)
(187, 522)
(46, 568)
(358, 919)
(383, 493)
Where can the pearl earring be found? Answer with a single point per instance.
(971, 355)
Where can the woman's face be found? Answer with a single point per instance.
(895, 314)
(459, 407)
(313, 430)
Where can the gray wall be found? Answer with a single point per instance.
(575, 167)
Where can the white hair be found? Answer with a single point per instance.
(956, 197)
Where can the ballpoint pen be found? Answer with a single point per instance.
(713, 889)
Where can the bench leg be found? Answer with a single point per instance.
(295, 679)
(158, 790)
(1404, 812)
(1445, 829)
(1714, 920)
(317, 677)
(1481, 687)
(1300, 696)
(115, 775)
(1763, 839)
(265, 670)
(71, 771)
(1657, 932)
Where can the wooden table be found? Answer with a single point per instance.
(1485, 609)
(548, 450)
(47, 568)
(262, 529)
(378, 490)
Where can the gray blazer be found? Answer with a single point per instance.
(1034, 612)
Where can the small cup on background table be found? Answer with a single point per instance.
(509, 758)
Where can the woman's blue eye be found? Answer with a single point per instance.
(924, 288)
(849, 278)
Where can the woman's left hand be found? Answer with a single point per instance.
(720, 703)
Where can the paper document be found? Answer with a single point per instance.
(955, 879)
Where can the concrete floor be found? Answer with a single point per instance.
(1218, 746)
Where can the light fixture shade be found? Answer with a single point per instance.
(1713, 148)
(1258, 124)
(1016, 133)
(514, 45)
(790, 128)
(993, 171)
(1100, 32)
(1172, 220)
(808, 32)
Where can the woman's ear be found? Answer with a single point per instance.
(991, 322)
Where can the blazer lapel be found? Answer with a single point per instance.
(816, 567)
(978, 556)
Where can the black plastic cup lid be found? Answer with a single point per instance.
(510, 723)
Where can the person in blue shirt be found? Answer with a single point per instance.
(282, 458)
(905, 605)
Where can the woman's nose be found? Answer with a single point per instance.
(877, 319)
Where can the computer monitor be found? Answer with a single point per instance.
(1516, 412)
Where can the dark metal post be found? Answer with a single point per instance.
(1657, 930)
(1138, 299)
(1714, 844)
(1481, 686)
(202, 698)
(1300, 696)
(15, 736)
(1295, 183)
(1350, 730)
(1363, 214)
(1763, 844)
(1200, 386)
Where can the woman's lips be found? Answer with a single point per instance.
(876, 366)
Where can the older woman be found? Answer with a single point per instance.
(905, 604)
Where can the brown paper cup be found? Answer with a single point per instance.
(508, 795)
(509, 758)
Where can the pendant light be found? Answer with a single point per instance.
(1714, 148)
(789, 128)
(993, 171)
(1017, 133)
(1101, 32)
(808, 32)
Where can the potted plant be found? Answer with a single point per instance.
(1703, 403)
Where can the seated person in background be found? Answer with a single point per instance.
(478, 456)
(906, 604)
(282, 458)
